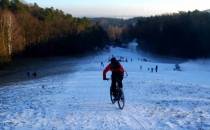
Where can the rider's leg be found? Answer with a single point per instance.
(119, 81)
(120, 84)
(114, 81)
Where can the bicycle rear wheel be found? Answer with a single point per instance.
(121, 100)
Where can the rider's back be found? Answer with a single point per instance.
(115, 67)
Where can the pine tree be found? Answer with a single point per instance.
(4, 4)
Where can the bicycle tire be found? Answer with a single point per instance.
(121, 100)
(112, 96)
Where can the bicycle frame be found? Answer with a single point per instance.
(119, 96)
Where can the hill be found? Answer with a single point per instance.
(29, 30)
(79, 99)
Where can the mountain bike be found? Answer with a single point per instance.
(119, 97)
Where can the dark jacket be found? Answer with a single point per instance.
(118, 69)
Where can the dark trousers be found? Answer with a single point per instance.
(116, 79)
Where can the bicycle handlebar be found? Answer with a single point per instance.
(107, 79)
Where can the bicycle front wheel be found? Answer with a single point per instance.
(112, 96)
(121, 101)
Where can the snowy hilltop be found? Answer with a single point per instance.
(170, 99)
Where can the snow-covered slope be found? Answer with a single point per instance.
(167, 100)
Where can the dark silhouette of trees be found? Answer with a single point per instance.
(118, 30)
(4, 4)
(184, 34)
(29, 30)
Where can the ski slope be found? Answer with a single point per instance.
(79, 99)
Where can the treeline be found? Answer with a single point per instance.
(118, 30)
(183, 34)
(29, 30)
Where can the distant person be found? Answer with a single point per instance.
(152, 69)
(177, 67)
(156, 68)
(34, 74)
(102, 64)
(28, 74)
(117, 74)
(141, 67)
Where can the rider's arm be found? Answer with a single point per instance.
(108, 68)
(125, 72)
(122, 69)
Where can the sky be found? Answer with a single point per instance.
(122, 8)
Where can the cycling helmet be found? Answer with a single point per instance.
(113, 60)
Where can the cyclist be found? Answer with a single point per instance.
(117, 74)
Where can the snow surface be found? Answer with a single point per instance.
(79, 99)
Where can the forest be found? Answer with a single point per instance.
(183, 34)
(29, 30)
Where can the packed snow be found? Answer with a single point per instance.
(77, 98)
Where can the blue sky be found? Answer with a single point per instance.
(122, 8)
